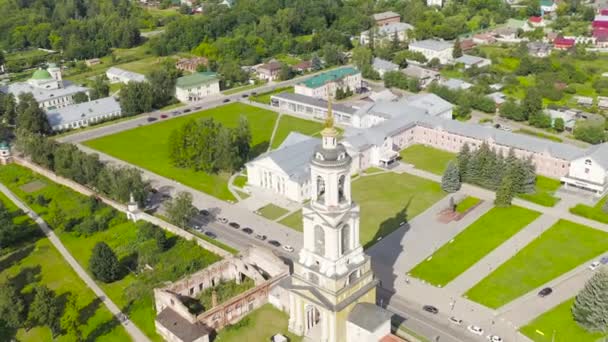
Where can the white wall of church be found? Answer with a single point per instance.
(587, 169)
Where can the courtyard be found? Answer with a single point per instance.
(427, 158)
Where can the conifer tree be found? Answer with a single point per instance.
(450, 182)
(590, 308)
(463, 159)
(104, 264)
(504, 194)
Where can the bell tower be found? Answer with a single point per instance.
(332, 274)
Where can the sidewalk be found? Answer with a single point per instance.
(131, 328)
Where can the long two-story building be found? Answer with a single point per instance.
(325, 85)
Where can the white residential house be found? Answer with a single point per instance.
(118, 75)
(469, 61)
(430, 48)
(386, 33)
(324, 86)
(196, 87)
(383, 66)
(83, 114)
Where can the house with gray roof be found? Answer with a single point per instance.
(386, 33)
(118, 75)
(432, 48)
(469, 61)
(83, 114)
(383, 66)
(312, 107)
(456, 84)
(425, 76)
(368, 322)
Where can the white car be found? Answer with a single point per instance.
(455, 320)
(594, 265)
(223, 220)
(288, 248)
(475, 330)
(494, 338)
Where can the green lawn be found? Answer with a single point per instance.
(595, 213)
(38, 262)
(294, 221)
(240, 181)
(545, 190)
(466, 204)
(147, 146)
(131, 293)
(473, 243)
(265, 97)
(260, 325)
(272, 212)
(559, 249)
(388, 199)
(427, 158)
(288, 124)
(557, 325)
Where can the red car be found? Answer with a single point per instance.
(163, 116)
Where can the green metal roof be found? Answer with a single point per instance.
(546, 3)
(41, 74)
(336, 74)
(3, 145)
(197, 78)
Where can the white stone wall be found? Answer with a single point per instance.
(197, 93)
(587, 169)
(444, 56)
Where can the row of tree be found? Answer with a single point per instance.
(508, 176)
(468, 98)
(207, 145)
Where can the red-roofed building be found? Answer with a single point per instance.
(535, 22)
(467, 45)
(601, 37)
(604, 11)
(391, 338)
(563, 43)
(600, 21)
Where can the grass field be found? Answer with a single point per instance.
(595, 213)
(272, 212)
(294, 221)
(260, 325)
(559, 249)
(427, 158)
(38, 262)
(152, 152)
(545, 192)
(288, 124)
(473, 243)
(265, 97)
(557, 325)
(132, 293)
(388, 199)
(240, 181)
(466, 204)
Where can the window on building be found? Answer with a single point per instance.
(588, 162)
(586, 170)
(345, 239)
(320, 189)
(341, 182)
(319, 240)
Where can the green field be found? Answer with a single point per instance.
(288, 124)
(272, 212)
(559, 249)
(294, 221)
(147, 146)
(388, 199)
(265, 97)
(466, 204)
(427, 158)
(544, 193)
(557, 325)
(260, 325)
(132, 293)
(240, 181)
(38, 262)
(594, 213)
(472, 244)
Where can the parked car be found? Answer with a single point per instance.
(204, 212)
(431, 309)
(594, 265)
(455, 320)
(604, 260)
(151, 119)
(475, 329)
(187, 110)
(198, 107)
(245, 95)
(494, 338)
(275, 243)
(223, 220)
(196, 226)
(545, 292)
(210, 234)
(260, 237)
(226, 100)
(288, 248)
(234, 225)
(247, 230)
(164, 116)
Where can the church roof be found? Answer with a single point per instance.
(41, 74)
(369, 316)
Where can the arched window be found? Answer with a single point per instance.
(353, 276)
(345, 240)
(341, 181)
(320, 189)
(319, 240)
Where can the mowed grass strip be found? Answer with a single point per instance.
(388, 199)
(559, 249)
(272, 212)
(260, 325)
(288, 124)
(294, 221)
(594, 213)
(427, 158)
(466, 204)
(147, 146)
(558, 319)
(473, 243)
(544, 192)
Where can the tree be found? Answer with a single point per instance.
(180, 209)
(136, 98)
(450, 182)
(286, 72)
(532, 103)
(316, 63)
(161, 240)
(70, 320)
(162, 82)
(590, 308)
(589, 131)
(362, 56)
(511, 110)
(558, 124)
(100, 88)
(104, 264)
(81, 97)
(11, 307)
(30, 117)
(332, 54)
(463, 162)
(44, 309)
(504, 194)
(457, 50)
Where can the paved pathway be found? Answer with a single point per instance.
(133, 330)
(500, 254)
